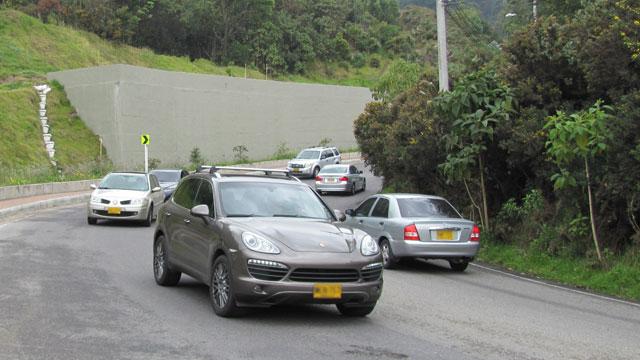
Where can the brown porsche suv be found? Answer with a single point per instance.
(260, 237)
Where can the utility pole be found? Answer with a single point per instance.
(443, 67)
(535, 10)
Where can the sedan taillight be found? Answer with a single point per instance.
(344, 178)
(318, 178)
(475, 233)
(411, 233)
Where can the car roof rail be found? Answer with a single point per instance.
(215, 170)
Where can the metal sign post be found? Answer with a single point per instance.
(145, 139)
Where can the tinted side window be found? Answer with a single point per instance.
(327, 154)
(363, 209)
(186, 192)
(353, 170)
(205, 196)
(381, 209)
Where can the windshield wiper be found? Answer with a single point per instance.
(295, 216)
(244, 215)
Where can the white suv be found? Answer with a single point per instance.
(310, 161)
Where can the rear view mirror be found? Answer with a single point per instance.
(340, 215)
(350, 212)
(93, 186)
(201, 210)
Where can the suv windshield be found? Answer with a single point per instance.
(246, 199)
(309, 154)
(167, 175)
(137, 182)
(425, 207)
(334, 170)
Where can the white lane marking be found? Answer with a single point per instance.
(602, 297)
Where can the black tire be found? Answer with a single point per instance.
(161, 270)
(356, 311)
(221, 293)
(149, 219)
(364, 185)
(353, 189)
(92, 221)
(458, 265)
(388, 259)
(316, 170)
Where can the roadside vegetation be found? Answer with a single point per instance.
(540, 145)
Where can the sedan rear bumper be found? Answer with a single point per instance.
(435, 250)
(333, 187)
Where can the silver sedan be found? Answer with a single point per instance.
(340, 178)
(125, 196)
(417, 226)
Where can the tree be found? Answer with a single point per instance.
(476, 106)
(581, 135)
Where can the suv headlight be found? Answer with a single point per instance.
(368, 246)
(259, 244)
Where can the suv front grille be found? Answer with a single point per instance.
(264, 270)
(371, 273)
(325, 275)
(297, 166)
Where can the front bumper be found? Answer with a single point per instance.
(250, 291)
(435, 250)
(127, 212)
(306, 171)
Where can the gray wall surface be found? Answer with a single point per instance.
(215, 113)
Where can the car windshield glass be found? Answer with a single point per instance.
(334, 170)
(308, 154)
(167, 175)
(136, 182)
(242, 199)
(425, 207)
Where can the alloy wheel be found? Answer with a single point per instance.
(221, 285)
(159, 261)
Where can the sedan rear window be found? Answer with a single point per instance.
(425, 207)
(334, 170)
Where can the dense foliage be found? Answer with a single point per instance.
(575, 55)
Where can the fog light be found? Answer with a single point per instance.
(258, 289)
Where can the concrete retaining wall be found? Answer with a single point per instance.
(215, 113)
(18, 191)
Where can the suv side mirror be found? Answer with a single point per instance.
(340, 215)
(201, 210)
(156, 189)
(93, 186)
(350, 212)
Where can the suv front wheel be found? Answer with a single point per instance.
(221, 292)
(161, 272)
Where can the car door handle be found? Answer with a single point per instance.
(186, 221)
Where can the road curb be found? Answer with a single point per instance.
(6, 214)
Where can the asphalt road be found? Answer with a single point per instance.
(74, 291)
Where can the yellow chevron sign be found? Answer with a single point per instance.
(145, 139)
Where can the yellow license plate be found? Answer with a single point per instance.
(113, 211)
(327, 291)
(445, 235)
(296, 170)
